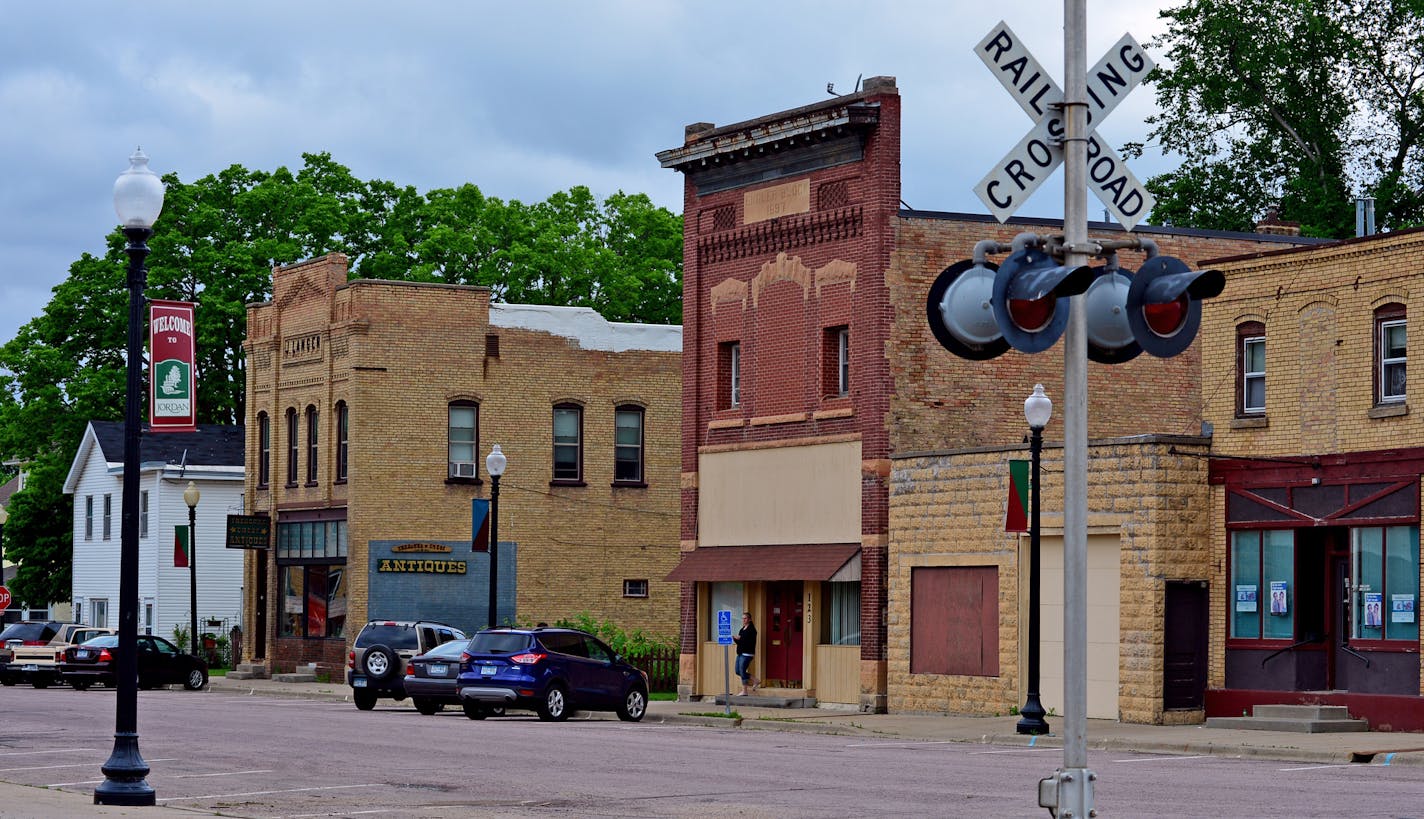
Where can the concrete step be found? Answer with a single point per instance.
(249, 671)
(768, 699)
(1301, 712)
(300, 677)
(1297, 726)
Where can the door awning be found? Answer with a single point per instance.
(801, 561)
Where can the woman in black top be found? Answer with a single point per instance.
(746, 650)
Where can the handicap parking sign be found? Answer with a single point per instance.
(724, 627)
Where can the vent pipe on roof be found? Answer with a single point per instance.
(1364, 216)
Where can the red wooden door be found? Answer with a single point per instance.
(783, 639)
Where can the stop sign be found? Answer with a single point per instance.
(4, 598)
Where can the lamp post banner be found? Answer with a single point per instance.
(1016, 510)
(173, 405)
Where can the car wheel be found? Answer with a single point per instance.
(365, 700)
(426, 707)
(197, 678)
(7, 681)
(497, 711)
(634, 705)
(474, 710)
(554, 707)
(40, 682)
(380, 662)
(79, 685)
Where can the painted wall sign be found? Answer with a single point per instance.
(173, 389)
(416, 566)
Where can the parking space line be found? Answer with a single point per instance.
(1014, 751)
(224, 773)
(900, 744)
(70, 765)
(270, 793)
(1317, 767)
(69, 784)
(57, 751)
(1161, 758)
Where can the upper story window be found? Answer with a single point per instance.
(729, 375)
(264, 450)
(464, 440)
(108, 514)
(628, 444)
(88, 517)
(835, 362)
(343, 441)
(143, 514)
(568, 443)
(1251, 368)
(1391, 353)
(293, 447)
(311, 445)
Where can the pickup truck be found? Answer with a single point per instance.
(29, 650)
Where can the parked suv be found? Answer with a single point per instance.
(554, 671)
(376, 665)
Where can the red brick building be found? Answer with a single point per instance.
(811, 381)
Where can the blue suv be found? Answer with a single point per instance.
(554, 671)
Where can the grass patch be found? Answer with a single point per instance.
(217, 672)
(663, 696)
(717, 714)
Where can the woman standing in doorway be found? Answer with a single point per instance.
(746, 651)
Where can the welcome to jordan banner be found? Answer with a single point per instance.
(172, 405)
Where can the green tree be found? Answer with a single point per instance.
(1296, 103)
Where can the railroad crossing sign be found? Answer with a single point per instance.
(1014, 179)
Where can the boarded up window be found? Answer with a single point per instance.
(954, 620)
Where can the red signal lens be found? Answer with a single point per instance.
(1032, 315)
(1166, 318)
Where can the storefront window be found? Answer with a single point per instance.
(840, 624)
(725, 596)
(311, 555)
(1386, 575)
(1263, 585)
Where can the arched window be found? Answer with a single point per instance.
(628, 445)
(1391, 353)
(464, 441)
(1251, 369)
(568, 443)
(293, 448)
(264, 450)
(311, 445)
(343, 441)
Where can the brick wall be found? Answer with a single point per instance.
(397, 354)
(948, 509)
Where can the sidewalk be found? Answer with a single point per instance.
(21, 802)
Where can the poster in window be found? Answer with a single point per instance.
(1373, 602)
(1278, 597)
(1246, 597)
(1401, 608)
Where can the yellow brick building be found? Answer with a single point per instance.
(371, 406)
(1315, 475)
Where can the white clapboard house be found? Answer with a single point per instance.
(212, 459)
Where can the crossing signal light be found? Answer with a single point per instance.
(1031, 294)
(1164, 303)
(979, 311)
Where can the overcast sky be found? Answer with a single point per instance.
(521, 99)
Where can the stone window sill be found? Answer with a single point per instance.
(1391, 410)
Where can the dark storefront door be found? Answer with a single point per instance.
(1185, 648)
(259, 640)
(783, 634)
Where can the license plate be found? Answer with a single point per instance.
(358, 682)
(82, 654)
(488, 671)
(29, 667)
(438, 670)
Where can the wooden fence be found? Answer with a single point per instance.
(661, 668)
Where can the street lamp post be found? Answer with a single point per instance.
(494, 464)
(190, 497)
(1038, 409)
(138, 199)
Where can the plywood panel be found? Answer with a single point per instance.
(1104, 596)
(838, 674)
(795, 494)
